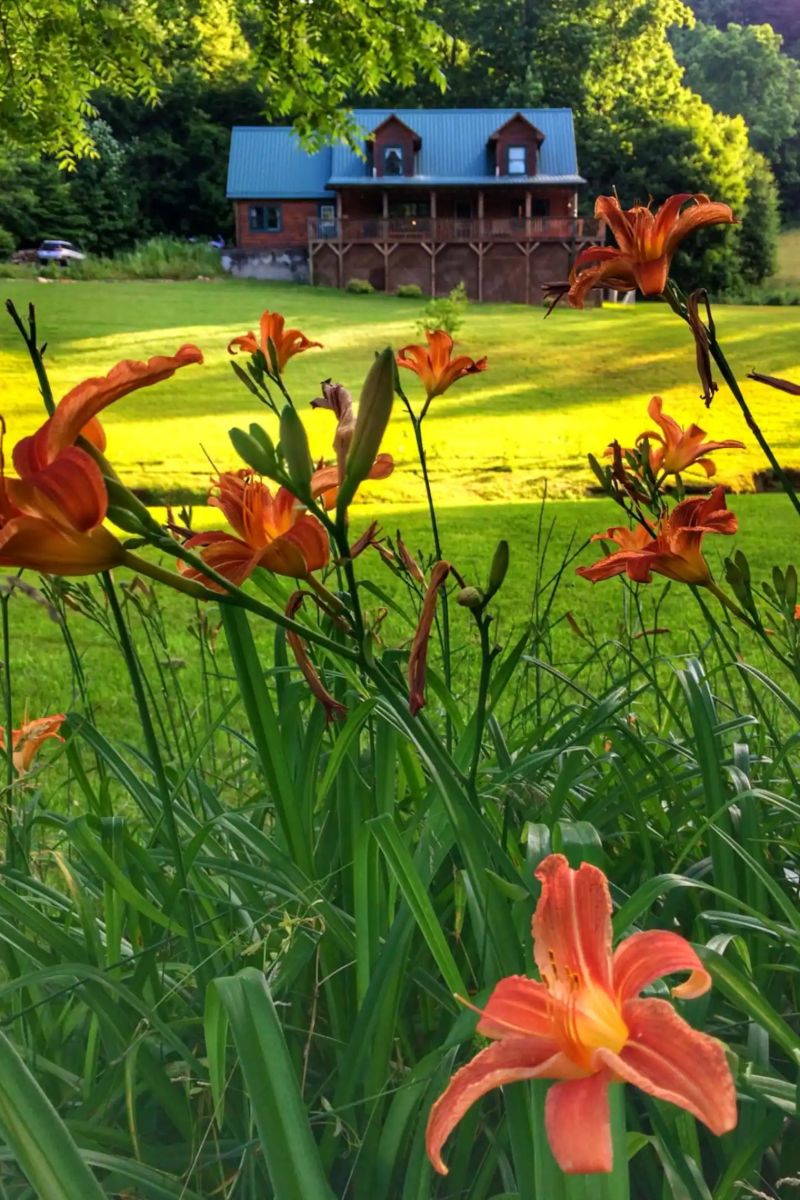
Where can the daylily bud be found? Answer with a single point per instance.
(374, 410)
(127, 511)
(294, 444)
(258, 453)
(469, 597)
(498, 569)
(418, 658)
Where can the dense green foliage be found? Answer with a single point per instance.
(303, 60)
(231, 943)
(643, 127)
(742, 69)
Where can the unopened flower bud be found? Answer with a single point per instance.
(469, 597)
(374, 410)
(294, 444)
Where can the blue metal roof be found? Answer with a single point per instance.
(269, 163)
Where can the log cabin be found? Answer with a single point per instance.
(434, 197)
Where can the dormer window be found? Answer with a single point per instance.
(393, 160)
(517, 160)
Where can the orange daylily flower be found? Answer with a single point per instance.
(26, 741)
(675, 548)
(76, 413)
(271, 531)
(646, 242)
(435, 365)
(287, 342)
(326, 481)
(585, 1025)
(677, 448)
(51, 517)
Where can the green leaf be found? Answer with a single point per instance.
(279, 1111)
(41, 1142)
(416, 896)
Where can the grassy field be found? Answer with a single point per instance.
(541, 539)
(788, 272)
(555, 390)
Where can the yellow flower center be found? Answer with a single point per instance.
(585, 1017)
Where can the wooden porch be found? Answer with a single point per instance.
(449, 229)
(433, 251)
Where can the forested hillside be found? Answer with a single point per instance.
(702, 98)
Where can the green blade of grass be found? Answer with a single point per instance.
(41, 1142)
(278, 1109)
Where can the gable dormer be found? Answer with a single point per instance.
(514, 147)
(394, 147)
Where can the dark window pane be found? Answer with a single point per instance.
(393, 160)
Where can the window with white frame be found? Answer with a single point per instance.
(393, 160)
(517, 160)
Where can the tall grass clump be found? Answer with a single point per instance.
(155, 258)
(279, 944)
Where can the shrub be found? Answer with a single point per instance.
(157, 258)
(359, 287)
(446, 313)
(410, 291)
(7, 243)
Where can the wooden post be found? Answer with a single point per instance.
(385, 212)
(433, 215)
(340, 264)
(480, 213)
(527, 217)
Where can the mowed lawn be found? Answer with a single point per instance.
(555, 389)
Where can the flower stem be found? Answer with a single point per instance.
(154, 752)
(416, 424)
(231, 594)
(730, 379)
(12, 841)
(487, 657)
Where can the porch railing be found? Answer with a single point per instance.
(453, 229)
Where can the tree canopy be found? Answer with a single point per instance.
(305, 59)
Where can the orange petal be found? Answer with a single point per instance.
(70, 492)
(668, 1059)
(703, 212)
(246, 342)
(41, 546)
(616, 268)
(503, 1062)
(608, 209)
(572, 922)
(518, 1006)
(645, 957)
(27, 740)
(651, 275)
(227, 555)
(637, 563)
(85, 401)
(578, 1124)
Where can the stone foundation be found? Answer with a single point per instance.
(287, 266)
